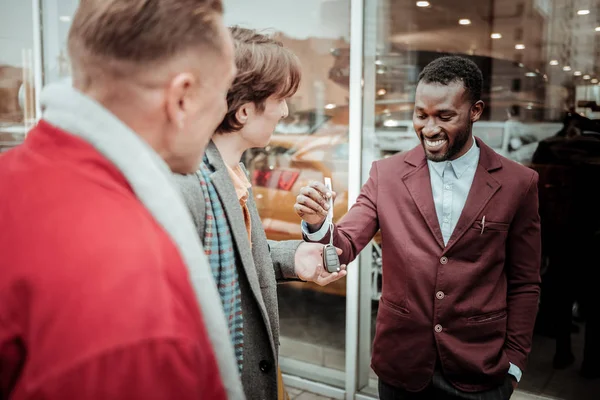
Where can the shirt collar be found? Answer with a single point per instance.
(460, 165)
(240, 182)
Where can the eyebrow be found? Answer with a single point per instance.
(444, 111)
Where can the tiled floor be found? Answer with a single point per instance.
(313, 330)
(297, 394)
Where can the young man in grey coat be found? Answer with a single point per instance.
(246, 266)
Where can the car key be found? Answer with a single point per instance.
(331, 261)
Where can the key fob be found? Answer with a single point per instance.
(331, 261)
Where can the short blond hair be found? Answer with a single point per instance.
(264, 68)
(121, 34)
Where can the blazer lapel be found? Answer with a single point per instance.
(224, 187)
(483, 188)
(419, 187)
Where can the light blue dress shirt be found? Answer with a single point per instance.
(450, 184)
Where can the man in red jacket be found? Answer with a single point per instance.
(461, 250)
(101, 271)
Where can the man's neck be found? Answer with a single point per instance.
(231, 146)
(132, 113)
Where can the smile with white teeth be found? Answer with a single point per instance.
(435, 143)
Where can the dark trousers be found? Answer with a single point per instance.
(441, 389)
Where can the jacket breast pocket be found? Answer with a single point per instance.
(486, 239)
(484, 226)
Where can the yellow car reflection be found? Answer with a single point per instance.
(290, 162)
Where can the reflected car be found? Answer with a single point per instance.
(293, 160)
(289, 163)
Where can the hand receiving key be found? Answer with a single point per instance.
(309, 265)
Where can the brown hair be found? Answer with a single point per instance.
(121, 34)
(264, 68)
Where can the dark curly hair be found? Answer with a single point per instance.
(446, 70)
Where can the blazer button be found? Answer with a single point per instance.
(440, 295)
(264, 366)
(438, 328)
(444, 260)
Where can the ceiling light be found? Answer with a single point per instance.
(577, 73)
(597, 29)
(65, 18)
(583, 12)
(464, 21)
(423, 4)
(566, 68)
(594, 80)
(520, 46)
(496, 36)
(330, 106)
(378, 62)
(586, 77)
(554, 62)
(531, 74)
(381, 92)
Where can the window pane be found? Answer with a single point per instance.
(310, 144)
(17, 96)
(539, 60)
(57, 15)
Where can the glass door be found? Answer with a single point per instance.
(540, 61)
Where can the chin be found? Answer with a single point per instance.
(185, 166)
(436, 157)
(183, 170)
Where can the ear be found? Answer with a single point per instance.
(179, 99)
(245, 113)
(477, 110)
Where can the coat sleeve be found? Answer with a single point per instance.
(283, 255)
(359, 225)
(523, 260)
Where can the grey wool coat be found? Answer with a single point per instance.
(260, 267)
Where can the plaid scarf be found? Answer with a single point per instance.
(218, 246)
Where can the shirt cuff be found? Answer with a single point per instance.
(515, 371)
(315, 236)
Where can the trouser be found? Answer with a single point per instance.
(441, 389)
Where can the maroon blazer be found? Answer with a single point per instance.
(472, 303)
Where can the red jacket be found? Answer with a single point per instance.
(472, 303)
(95, 301)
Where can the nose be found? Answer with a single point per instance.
(284, 109)
(431, 129)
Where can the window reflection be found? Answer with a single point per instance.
(17, 95)
(539, 60)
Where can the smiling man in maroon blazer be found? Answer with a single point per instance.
(461, 249)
